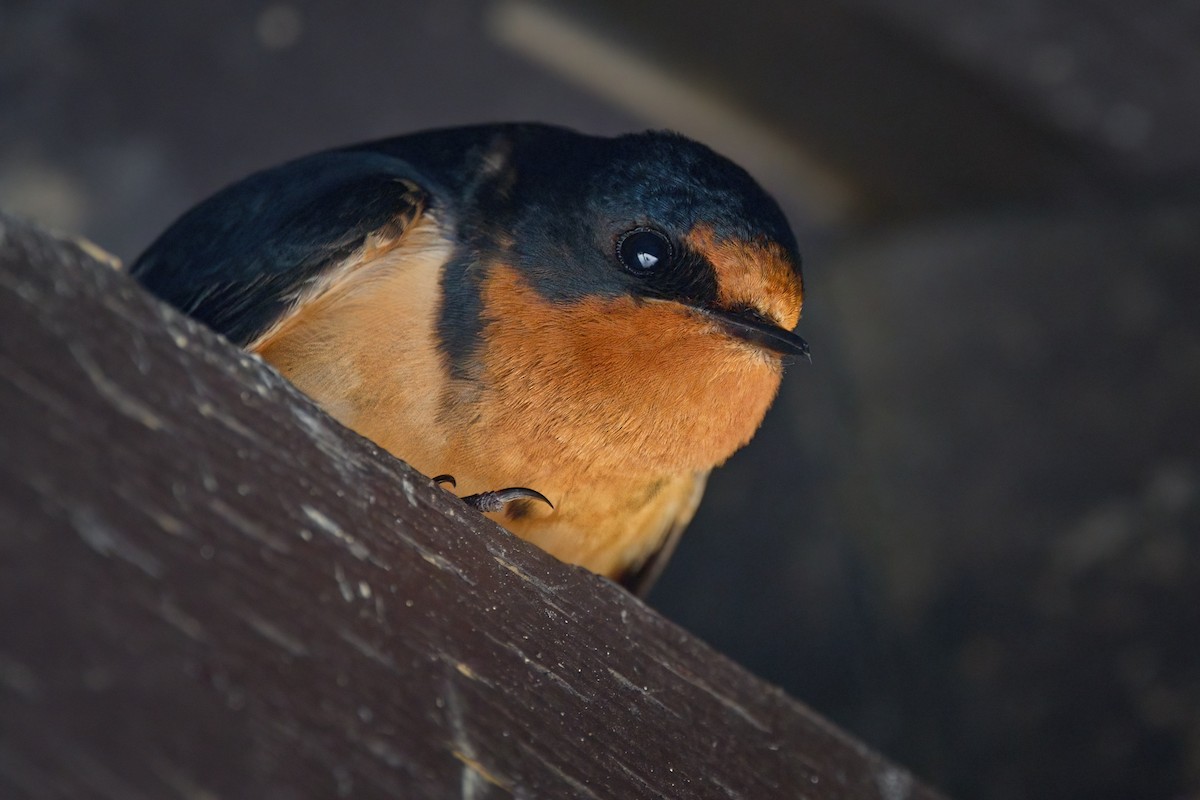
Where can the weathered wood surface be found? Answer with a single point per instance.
(210, 589)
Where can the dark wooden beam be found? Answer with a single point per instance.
(209, 589)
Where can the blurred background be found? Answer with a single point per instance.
(969, 532)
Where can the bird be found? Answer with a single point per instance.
(594, 322)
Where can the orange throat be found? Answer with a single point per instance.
(612, 386)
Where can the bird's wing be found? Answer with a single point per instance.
(642, 577)
(243, 259)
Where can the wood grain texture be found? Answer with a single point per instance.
(209, 589)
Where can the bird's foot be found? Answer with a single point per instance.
(497, 500)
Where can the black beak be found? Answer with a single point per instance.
(757, 329)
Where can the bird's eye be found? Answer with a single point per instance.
(644, 250)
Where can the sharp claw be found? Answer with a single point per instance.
(493, 501)
(496, 501)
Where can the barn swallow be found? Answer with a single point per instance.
(602, 320)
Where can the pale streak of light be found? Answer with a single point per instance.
(645, 89)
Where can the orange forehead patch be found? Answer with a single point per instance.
(757, 275)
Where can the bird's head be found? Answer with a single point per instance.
(659, 217)
(641, 288)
